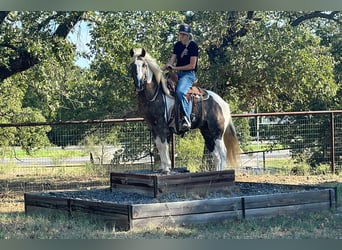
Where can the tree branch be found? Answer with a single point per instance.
(24, 59)
(316, 14)
(21, 63)
(6, 45)
(65, 27)
(3, 15)
(215, 53)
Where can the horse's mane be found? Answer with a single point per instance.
(152, 63)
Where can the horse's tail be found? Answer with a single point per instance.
(232, 144)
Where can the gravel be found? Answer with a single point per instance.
(237, 190)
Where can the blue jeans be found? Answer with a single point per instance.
(185, 81)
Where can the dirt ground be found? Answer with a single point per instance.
(291, 179)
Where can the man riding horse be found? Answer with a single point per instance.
(185, 55)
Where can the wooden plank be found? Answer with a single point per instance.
(46, 201)
(284, 199)
(185, 207)
(51, 202)
(137, 176)
(197, 177)
(148, 191)
(133, 180)
(200, 181)
(286, 210)
(187, 219)
(197, 174)
(105, 208)
(194, 188)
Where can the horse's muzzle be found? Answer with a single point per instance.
(139, 85)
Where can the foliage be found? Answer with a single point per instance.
(30, 137)
(257, 60)
(192, 144)
(276, 69)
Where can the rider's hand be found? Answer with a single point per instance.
(167, 67)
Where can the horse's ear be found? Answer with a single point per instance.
(143, 52)
(131, 52)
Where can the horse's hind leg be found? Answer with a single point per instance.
(217, 149)
(219, 155)
(163, 149)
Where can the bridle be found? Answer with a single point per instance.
(143, 79)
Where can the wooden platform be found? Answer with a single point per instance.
(155, 184)
(132, 216)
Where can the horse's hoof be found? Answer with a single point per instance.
(164, 171)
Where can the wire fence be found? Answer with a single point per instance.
(79, 154)
(294, 142)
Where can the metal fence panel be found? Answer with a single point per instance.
(83, 153)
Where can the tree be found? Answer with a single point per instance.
(35, 62)
(29, 38)
(113, 38)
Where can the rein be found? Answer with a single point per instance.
(155, 94)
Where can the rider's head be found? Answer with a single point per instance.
(185, 29)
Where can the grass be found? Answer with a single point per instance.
(325, 225)
(37, 153)
(263, 147)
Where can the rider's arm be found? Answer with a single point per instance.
(170, 63)
(190, 66)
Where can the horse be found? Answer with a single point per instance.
(155, 104)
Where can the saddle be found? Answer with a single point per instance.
(195, 94)
(195, 90)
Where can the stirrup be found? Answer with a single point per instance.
(186, 124)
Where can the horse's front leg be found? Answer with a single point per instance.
(163, 149)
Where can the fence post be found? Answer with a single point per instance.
(173, 150)
(332, 142)
(264, 160)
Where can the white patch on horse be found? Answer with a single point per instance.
(220, 151)
(163, 148)
(219, 155)
(224, 106)
(140, 72)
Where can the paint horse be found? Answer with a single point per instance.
(156, 106)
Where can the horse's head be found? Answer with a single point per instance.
(140, 70)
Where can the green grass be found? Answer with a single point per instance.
(263, 147)
(325, 225)
(37, 153)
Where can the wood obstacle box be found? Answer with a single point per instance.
(155, 185)
(130, 215)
